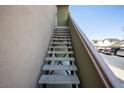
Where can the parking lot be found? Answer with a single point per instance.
(116, 63)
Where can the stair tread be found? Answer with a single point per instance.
(60, 36)
(60, 42)
(61, 39)
(61, 33)
(59, 79)
(64, 32)
(60, 46)
(61, 52)
(59, 67)
(61, 27)
(60, 59)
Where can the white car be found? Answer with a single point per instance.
(120, 52)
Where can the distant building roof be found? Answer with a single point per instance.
(112, 39)
(118, 44)
(110, 42)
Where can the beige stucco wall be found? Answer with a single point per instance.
(25, 32)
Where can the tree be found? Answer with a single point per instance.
(94, 41)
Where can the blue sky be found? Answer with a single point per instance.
(99, 21)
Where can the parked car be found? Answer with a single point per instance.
(99, 50)
(111, 51)
(120, 52)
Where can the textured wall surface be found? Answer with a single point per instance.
(62, 13)
(25, 32)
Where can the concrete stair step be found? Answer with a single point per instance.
(61, 32)
(59, 59)
(61, 47)
(61, 36)
(60, 42)
(59, 79)
(60, 52)
(59, 67)
(61, 39)
(54, 33)
(61, 27)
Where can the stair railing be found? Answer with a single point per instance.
(107, 76)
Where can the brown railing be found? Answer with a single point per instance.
(105, 74)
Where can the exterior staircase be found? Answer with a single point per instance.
(59, 69)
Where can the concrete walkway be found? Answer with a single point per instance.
(116, 64)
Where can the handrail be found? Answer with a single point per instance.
(106, 75)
